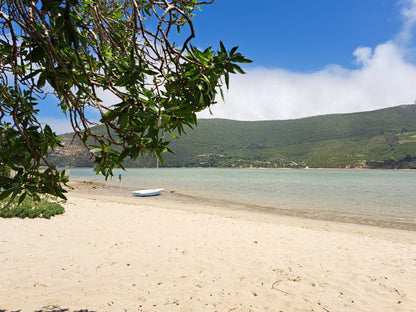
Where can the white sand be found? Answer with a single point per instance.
(109, 253)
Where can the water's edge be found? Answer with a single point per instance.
(316, 214)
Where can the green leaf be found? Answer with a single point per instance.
(238, 69)
(4, 194)
(123, 118)
(96, 150)
(227, 79)
(42, 80)
(223, 47)
(22, 198)
(222, 94)
(233, 50)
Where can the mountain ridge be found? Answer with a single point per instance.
(384, 138)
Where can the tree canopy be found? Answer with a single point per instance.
(140, 51)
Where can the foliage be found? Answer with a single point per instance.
(4, 170)
(30, 209)
(82, 51)
(331, 141)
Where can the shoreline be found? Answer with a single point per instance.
(262, 168)
(123, 253)
(323, 215)
(174, 201)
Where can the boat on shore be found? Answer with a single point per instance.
(148, 192)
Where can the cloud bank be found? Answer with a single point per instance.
(383, 77)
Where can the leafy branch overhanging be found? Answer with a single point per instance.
(137, 51)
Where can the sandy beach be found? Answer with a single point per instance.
(114, 252)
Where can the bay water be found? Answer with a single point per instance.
(375, 197)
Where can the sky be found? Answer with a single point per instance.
(310, 57)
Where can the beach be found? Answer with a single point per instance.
(114, 252)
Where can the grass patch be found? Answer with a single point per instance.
(30, 209)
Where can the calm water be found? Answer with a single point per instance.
(382, 197)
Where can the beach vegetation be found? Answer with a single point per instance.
(26, 207)
(80, 53)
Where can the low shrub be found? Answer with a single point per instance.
(31, 209)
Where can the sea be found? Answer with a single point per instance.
(384, 198)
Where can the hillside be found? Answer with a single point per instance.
(384, 138)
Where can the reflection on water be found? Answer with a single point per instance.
(382, 197)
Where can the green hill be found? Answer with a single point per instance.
(384, 138)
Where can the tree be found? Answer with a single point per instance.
(140, 51)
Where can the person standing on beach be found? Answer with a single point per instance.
(119, 178)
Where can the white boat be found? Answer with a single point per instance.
(149, 192)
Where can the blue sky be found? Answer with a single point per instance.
(314, 57)
(298, 35)
(311, 57)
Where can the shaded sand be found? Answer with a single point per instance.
(119, 253)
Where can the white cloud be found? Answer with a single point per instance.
(363, 55)
(408, 14)
(58, 125)
(383, 78)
